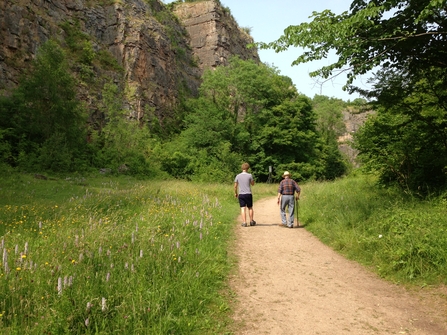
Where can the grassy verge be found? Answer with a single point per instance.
(117, 255)
(114, 255)
(401, 238)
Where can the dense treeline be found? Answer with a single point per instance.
(249, 112)
(245, 112)
(404, 43)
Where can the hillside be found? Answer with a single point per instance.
(141, 46)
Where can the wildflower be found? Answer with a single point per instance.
(24, 256)
(18, 269)
(380, 236)
(5, 255)
(59, 286)
(103, 304)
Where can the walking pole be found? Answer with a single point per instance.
(297, 222)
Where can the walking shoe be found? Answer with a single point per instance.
(290, 226)
(253, 223)
(244, 224)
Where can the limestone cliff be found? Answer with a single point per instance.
(155, 61)
(353, 121)
(214, 34)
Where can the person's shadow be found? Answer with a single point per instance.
(279, 225)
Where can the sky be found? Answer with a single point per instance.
(267, 20)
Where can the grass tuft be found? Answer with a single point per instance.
(400, 237)
(114, 255)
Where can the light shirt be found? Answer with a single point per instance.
(244, 180)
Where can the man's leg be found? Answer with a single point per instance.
(291, 212)
(283, 210)
(243, 215)
(251, 215)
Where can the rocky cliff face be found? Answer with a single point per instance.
(150, 45)
(353, 121)
(214, 34)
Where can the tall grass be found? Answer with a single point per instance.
(400, 237)
(118, 255)
(102, 256)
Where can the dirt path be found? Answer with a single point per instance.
(288, 282)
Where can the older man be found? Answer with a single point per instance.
(286, 193)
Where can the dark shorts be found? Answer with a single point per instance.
(246, 200)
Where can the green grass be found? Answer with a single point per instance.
(103, 255)
(115, 255)
(400, 237)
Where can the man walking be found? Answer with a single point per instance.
(244, 181)
(286, 191)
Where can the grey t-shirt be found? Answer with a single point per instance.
(244, 180)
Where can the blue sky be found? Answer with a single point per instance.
(267, 20)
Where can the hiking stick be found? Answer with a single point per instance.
(295, 209)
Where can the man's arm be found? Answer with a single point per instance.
(235, 189)
(298, 191)
(279, 192)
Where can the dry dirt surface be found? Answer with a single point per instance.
(288, 282)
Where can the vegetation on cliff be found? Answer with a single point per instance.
(245, 112)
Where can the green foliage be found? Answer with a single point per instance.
(247, 30)
(406, 141)
(107, 61)
(122, 144)
(5, 146)
(405, 42)
(43, 121)
(393, 34)
(78, 42)
(131, 257)
(330, 121)
(246, 112)
(330, 125)
(80, 49)
(401, 238)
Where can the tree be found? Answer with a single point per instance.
(46, 121)
(247, 112)
(396, 34)
(407, 141)
(405, 42)
(329, 113)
